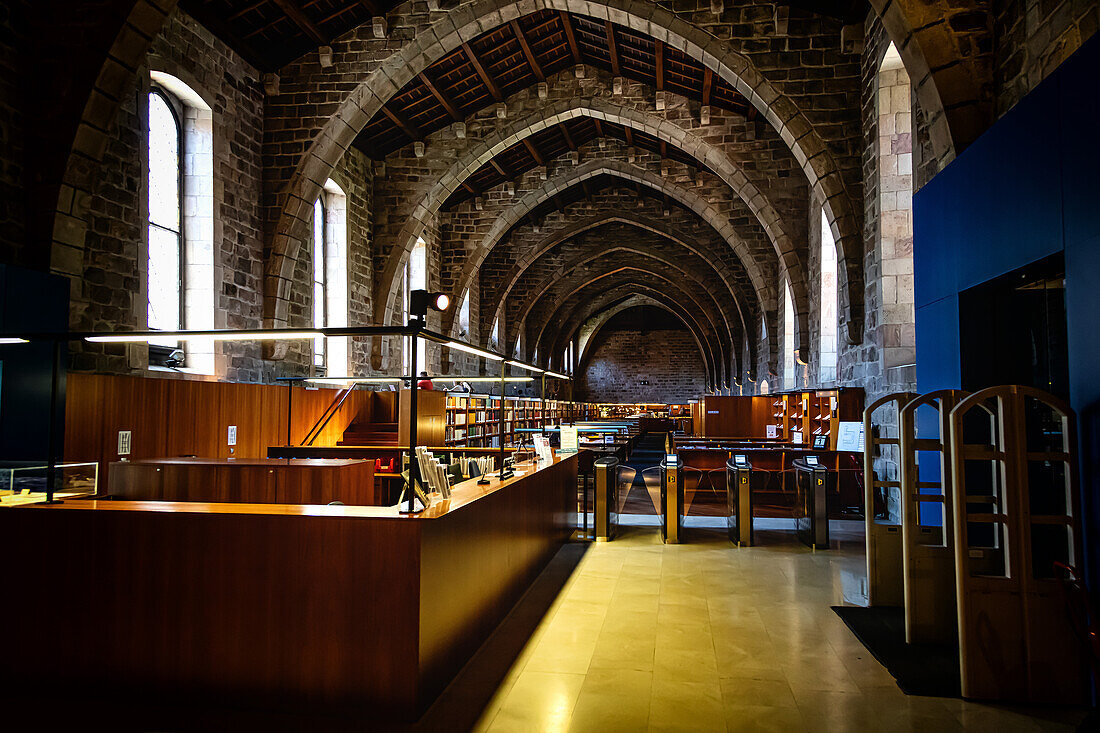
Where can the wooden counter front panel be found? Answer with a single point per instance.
(252, 609)
(281, 482)
(478, 560)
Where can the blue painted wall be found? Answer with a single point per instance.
(1027, 189)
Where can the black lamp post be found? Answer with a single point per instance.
(420, 301)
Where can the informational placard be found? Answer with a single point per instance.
(124, 440)
(796, 436)
(232, 437)
(569, 439)
(542, 447)
(773, 431)
(850, 437)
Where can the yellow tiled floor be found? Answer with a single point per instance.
(707, 637)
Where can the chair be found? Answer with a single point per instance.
(454, 473)
(475, 469)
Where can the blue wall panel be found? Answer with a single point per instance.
(1028, 188)
(938, 364)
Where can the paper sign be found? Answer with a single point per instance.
(232, 435)
(773, 431)
(796, 436)
(124, 438)
(568, 439)
(850, 437)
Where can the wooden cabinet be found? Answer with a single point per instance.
(267, 481)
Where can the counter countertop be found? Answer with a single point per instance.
(462, 494)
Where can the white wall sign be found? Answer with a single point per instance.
(232, 435)
(568, 439)
(124, 440)
(773, 431)
(850, 437)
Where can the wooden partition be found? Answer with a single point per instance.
(275, 607)
(1017, 511)
(928, 548)
(883, 537)
(171, 418)
(726, 416)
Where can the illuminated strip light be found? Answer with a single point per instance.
(481, 379)
(555, 374)
(149, 336)
(12, 340)
(355, 380)
(472, 350)
(521, 365)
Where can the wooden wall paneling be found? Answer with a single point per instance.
(84, 417)
(182, 431)
(431, 417)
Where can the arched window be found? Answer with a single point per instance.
(165, 206)
(320, 304)
(827, 346)
(464, 317)
(416, 278)
(494, 336)
(763, 386)
(330, 291)
(180, 232)
(788, 337)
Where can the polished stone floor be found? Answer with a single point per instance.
(707, 637)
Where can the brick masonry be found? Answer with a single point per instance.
(1008, 47)
(633, 365)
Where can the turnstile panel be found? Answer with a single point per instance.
(739, 502)
(811, 513)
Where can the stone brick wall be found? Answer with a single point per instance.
(642, 366)
(801, 59)
(1032, 37)
(112, 294)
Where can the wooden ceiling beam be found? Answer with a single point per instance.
(664, 149)
(612, 49)
(473, 191)
(499, 168)
(571, 37)
(599, 127)
(401, 121)
(440, 97)
(659, 60)
(372, 7)
(568, 138)
(629, 133)
(247, 9)
(533, 151)
(291, 9)
(482, 73)
(536, 69)
(708, 84)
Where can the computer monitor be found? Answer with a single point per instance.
(740, 460)
(672, 459)
(821, 442)
(812, 460)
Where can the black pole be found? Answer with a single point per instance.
(414, 467)
(542, 405)
(51, 442)
(501, 422)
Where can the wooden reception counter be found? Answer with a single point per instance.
(247, 480)
(276, 606)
